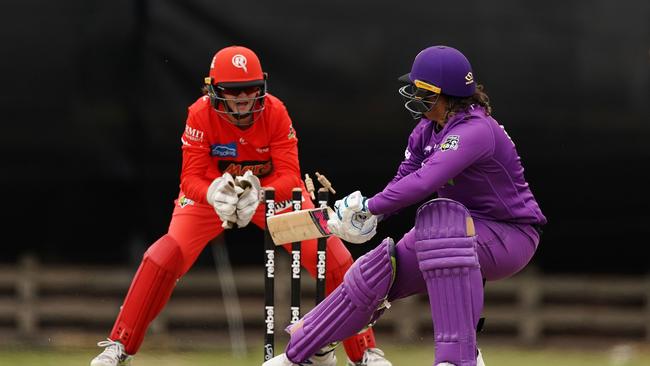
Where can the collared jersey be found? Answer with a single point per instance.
(213, 146)
(472, 160)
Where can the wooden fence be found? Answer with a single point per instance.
(67, 304)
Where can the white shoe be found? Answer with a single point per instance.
(479, 361)
(327, 359)
(113, 355)
(372, 357)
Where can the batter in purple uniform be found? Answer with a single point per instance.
(483, 225)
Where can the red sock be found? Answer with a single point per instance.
(356, 345)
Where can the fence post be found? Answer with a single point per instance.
(27, 291)
(230, 297)
(647, 307)
(529, 295)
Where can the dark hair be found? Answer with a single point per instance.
(460, 104)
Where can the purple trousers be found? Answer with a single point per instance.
(503, 250)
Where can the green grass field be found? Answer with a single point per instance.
(621, 355)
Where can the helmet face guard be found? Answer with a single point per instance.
(419, 98)
(227, 98)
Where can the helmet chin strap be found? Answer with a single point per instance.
(236, 119)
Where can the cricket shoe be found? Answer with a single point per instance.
(113, 355)
(479, 361)
(371, 357)
(326, 359)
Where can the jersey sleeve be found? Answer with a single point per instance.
(284, 155)
(413, 156)
(461, 147)
(196, 158)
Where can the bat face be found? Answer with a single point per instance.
(299, 225)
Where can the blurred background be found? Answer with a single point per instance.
(95, 94)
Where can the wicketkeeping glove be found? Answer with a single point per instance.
(223, 196)
(353, 222)
(249, 199)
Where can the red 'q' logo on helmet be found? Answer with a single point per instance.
(239, 61)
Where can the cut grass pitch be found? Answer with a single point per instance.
(400, 355)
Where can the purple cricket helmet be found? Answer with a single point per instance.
(442, 70)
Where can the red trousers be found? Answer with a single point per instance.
(192, 226)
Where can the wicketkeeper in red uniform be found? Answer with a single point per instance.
(237, 136)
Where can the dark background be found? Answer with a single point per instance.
(94, 97)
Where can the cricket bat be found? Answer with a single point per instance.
(299, 225)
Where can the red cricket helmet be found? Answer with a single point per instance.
(236, 68)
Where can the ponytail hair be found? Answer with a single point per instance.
(480, 97)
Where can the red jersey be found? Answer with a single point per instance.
(213, 146)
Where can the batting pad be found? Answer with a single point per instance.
(348, 309)
(446, 252)
(150, 290)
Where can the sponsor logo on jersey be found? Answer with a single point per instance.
(184, 201)
(451, 143)
(407, 154)
(259, 168)
(427, 149)
(224, 150)
(262, 150)
(242, 141)
(292, 133)
(193, 134)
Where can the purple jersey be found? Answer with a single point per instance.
(472, 160)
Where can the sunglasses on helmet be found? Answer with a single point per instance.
(237, 91)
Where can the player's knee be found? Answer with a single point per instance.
(166, 253)
(443, 218)
(445, 235)
(371, 276)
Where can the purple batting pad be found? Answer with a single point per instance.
(348, 309)
(446, 252)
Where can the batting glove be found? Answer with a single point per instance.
(353, 221)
